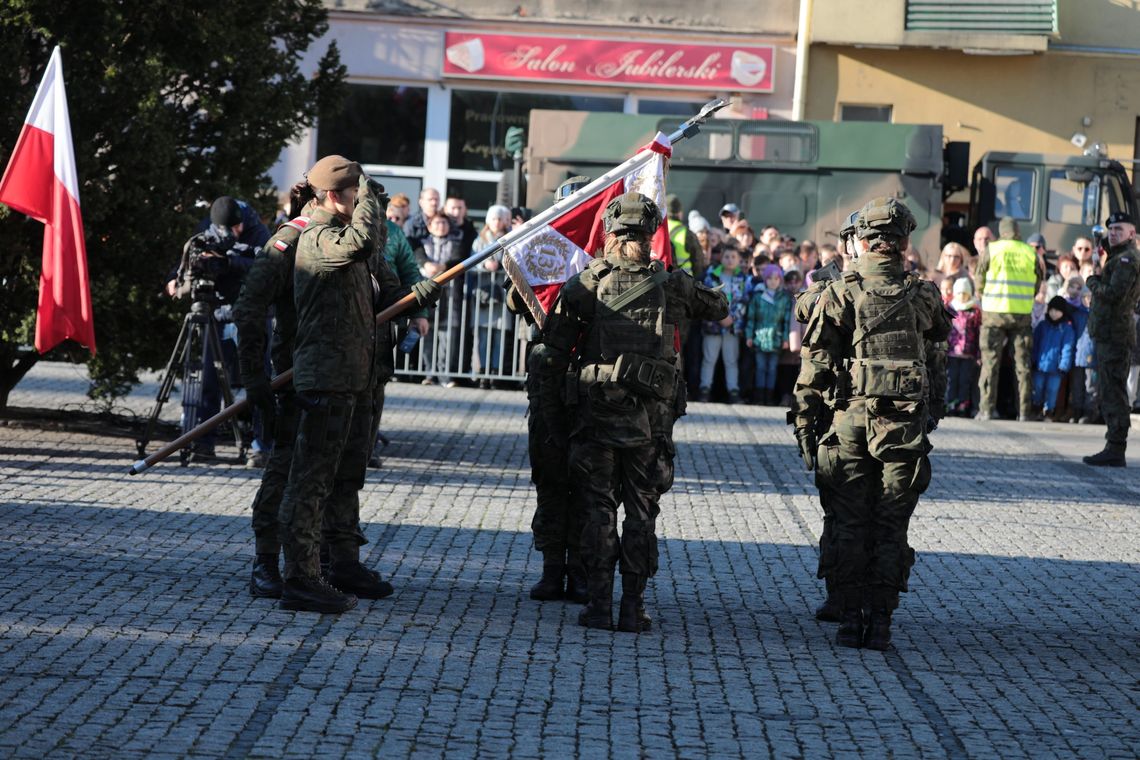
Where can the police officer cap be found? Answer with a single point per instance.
(1119, 217)
(631, 213)
(334, 173)
(225, 212)
(570, 186)
(884, 216)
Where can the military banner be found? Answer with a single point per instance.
(540, 262)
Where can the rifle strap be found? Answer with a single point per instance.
(872, 324)
(638, 290)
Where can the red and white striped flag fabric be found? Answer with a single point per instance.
(41, 181)
(542, 260)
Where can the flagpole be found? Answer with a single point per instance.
(687, 129)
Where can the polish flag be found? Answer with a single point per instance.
(540, 260)
(41, 181)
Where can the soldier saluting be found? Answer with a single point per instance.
(615, 327)
(1114, 295)
(874, 352)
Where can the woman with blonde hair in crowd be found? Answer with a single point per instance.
(485, 288)
(952, 263)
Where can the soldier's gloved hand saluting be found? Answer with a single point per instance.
(427, 293)
(375, 188)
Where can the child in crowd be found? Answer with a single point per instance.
(1085, 407)
(721, 338)
(1053, 344)
(1079, 315)
(789, 365)
(947, 288)
(769, 315)
(963, 353)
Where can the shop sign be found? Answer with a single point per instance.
(619, 63)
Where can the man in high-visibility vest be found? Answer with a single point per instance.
(687, 252)
(1008, 275)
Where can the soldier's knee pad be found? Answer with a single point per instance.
(639, 550)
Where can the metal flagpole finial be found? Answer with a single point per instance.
(693, 125)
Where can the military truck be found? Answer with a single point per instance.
(806, 177)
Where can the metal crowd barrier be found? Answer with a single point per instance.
(473, 336)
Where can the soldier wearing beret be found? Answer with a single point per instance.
(336, 298)
(1114, 295)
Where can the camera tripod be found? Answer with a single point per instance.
(199, 333)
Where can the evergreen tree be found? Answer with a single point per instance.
(172, 104)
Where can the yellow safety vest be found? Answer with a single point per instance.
(681, 257)
(1011, 280)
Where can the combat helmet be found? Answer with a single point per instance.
(885, 220)
(570, 186)
(631, 215)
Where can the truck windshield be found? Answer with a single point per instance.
(1072, 202)
(1014, 192)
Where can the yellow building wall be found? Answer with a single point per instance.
(1031, 103)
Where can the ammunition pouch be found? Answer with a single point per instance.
(904, 380)
(645, 376)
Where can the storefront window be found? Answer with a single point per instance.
(479, 122)
(479, 195)
(377, 125)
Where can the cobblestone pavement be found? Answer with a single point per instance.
(126, 628)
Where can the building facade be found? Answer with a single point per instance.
(433, 89)
(1041, 76)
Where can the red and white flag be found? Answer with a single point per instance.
(542, 259)
(41, 181)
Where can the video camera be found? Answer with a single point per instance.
(206, 259)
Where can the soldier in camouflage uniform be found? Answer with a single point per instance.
(401, 260)
(1114, 295)
(874, 351)
(614, 329)
(268, 290)
(334, 362)
(556, 523)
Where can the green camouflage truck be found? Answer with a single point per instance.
(806, 177)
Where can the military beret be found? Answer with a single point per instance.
(334, 173)
(225, 212)
(1119, 217)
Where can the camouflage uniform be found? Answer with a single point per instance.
(334, 363)
(625, 393)
(1114, 296)
(398, 258)
(269, 286)
(874, 353)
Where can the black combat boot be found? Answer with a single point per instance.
(312, 593)
(598, 612)
(325, 560)
(354, 578)
(1110, 456)
(878, 634)
(549, 586)
(577, 590)
(850, 633)
(631, 616)
(265, 581)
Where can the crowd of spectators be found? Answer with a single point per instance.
(753, 355)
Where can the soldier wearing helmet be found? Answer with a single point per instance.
(610, 386)
(873, 359)
(556, 524)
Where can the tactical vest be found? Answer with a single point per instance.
(677, 234)
(889, 355)
(629, 340)
(1011, 280)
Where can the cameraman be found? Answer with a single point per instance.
(219, 254)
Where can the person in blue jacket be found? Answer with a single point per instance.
(1053, 346)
